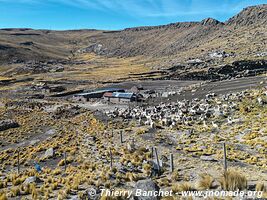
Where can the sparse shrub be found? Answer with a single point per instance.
(2, 185)
(62, 195)
(107, 184)
(186, 186)
(68, 160)
(168, 198)
(26, 189)
(15, 191)
(54, 186)
(175, 188)
(205, 182)
(17, 181)
(131, 177)
(57, 171)
(50, 179)
(46, 195)
(34, 192)
(75, 185)
(114, 170)
(261, 187)
(67, 189)
(164, 182)
(232, 181)
(175, 175)
(3, 196)
(141, 131)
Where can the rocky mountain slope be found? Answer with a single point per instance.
(194, 45)
(241, 36)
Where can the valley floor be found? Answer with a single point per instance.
(58, 134)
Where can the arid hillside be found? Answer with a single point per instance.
(20, 45)
(178, 47)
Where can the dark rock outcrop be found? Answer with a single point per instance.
(237, 69)
(210, 22)
(7, 124)
(250, 15)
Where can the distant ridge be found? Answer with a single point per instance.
(167, 45)
(250, 15)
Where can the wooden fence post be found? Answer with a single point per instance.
(171, 162)
(111, 159)
(224, 157)
(65, 161)
(121, 139)
(157, 158)
(18, 161)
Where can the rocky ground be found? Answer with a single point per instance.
(74, 145)
(203, 50)
(209, 77)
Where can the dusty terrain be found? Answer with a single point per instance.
(173, 50)
(208, 88)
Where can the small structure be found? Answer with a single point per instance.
(136, 89)
(54, 88)
(95, 94)
(117, 97)
(5, 81)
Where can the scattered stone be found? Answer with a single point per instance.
(33, 142)
(28, 43)
(2, 104)
(49, 153)
(146, 186)
(262, 54)
(32, 179)
(131, 146)
(50, 132)
(208, 158)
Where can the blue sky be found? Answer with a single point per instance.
(113, 14)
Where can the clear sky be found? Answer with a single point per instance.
(113, 14)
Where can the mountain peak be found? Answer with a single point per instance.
(210, 22)
(250, 15)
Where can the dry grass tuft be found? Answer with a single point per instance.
(175, 175)
(15, 191)
(261, 187)
(3, 196)
(186, 186)
(233, 180)
(205, 182)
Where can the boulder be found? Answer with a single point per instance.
(7, 124)
(32, 179)
(208, 158)
(144, 186)
(49, 153)
(131, 146)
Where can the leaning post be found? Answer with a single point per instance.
(224, 157)
(171, 162)
(157, 158)
(111, 159)
(18, 161)
(65, 161)
(121, 138)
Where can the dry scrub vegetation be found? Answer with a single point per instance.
(88, 142)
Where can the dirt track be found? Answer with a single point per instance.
(228, 86)
(220, 87)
